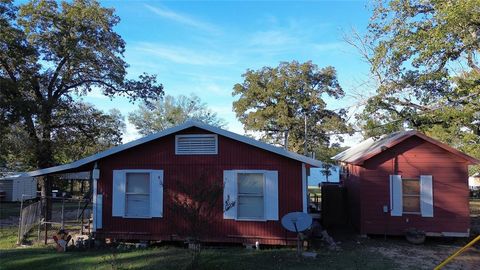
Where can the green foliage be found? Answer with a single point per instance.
(425, 60)
(325, 152)
(275, 100)
(80, 131)
(171, 111)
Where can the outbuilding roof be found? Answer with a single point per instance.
(172, 130)
(374, 146)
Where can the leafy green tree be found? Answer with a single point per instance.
(171, 111)
(425, 59)
(79, 133)
(276, 100)
(95, 131)
(51, 52)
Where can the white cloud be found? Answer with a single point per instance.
(181, 55)
(184, 19)
(329, 46)
(131, 133)
(272, 38)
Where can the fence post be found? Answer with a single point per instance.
(63, 208)
(39, 229)
(45, 221)
(20, 222)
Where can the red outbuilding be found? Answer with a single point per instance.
(133, 185)
(407, 180)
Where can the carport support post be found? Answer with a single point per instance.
(63, 208)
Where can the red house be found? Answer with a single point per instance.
(407, 180)
(131, 183)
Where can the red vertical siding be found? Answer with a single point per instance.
(180, 169)
(410, 159)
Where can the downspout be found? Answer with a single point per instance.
(95, 174)
(304, 188)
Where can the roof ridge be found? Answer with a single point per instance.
(187, 124)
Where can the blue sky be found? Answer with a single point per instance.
(204, 47)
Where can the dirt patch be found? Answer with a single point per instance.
(428, 256)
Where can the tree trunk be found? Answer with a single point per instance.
(44, 156)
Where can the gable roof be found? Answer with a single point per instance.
(372, 147)
(268, 147)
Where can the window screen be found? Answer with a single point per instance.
(411, 195)
(250, 196)
(137, 195)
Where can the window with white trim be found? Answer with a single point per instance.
(137, 195)
(196, 144)
(250, 196)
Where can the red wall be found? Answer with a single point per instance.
(180, 169)
(410, 159)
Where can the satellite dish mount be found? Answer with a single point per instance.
(297, 222)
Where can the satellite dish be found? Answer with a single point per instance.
(296, 221)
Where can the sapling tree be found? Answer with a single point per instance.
(197, 204)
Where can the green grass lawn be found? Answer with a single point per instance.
(353, 256)
(40, 257)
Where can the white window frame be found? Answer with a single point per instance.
(177, 137)
(149, 190)
(263, 172)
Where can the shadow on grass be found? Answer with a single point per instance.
(178, 258)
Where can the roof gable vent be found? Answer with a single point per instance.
(196, 144)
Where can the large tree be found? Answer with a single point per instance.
(425, 59)
(51, 52)
(171, 111)
(80, 132)
(276, 100)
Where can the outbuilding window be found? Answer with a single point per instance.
(411, 195)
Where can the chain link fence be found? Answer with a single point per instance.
(73, 215)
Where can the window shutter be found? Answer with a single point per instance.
(156, 193)
(271, 195)
(230, 194)
(426, 196)
(396, 200)
(118, 198)
(98, 213)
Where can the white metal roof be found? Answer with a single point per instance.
(163, 133)
(368, 146)
(371, 147)
(13, 175)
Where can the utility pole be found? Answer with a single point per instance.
(305, 142)
(285, 143)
